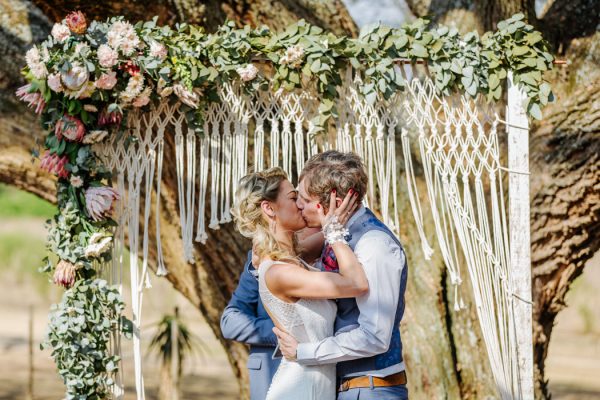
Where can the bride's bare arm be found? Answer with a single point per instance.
(292, 281)
(310, 244)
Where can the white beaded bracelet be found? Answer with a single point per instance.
(335, 232)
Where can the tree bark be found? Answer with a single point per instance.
(438, 342)
(564, 148)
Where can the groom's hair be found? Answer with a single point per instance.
(334, 170)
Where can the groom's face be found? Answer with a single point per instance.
(308, 206)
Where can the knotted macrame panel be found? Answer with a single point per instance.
(459, 150)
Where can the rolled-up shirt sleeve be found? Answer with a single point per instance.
(383, 260)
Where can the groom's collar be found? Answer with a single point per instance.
(357, 214)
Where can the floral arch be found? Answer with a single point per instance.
(108, 93)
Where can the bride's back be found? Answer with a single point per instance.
(308, 320)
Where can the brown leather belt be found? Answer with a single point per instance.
(365, 381)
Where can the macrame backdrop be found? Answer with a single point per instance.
(460, 153)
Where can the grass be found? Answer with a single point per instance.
(21, 251)
(21, 256)
(17, 203)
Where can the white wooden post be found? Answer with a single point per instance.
(520, 242)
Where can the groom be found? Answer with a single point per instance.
(367, 346)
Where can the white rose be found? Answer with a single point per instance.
(60, 32)
(107, 57)
(35, 64)
(248, 72)
(75, 77)
(158, 50)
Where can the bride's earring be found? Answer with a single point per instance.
(273, 224)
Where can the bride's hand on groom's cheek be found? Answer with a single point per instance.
(287, 344)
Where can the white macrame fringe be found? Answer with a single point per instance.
(459, 151)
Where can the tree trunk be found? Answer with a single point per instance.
(564, 148)
(167, 389)
(438, 342)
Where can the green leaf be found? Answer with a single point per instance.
(418, 50)
(535, 111)
(520, 50)
(316, 66)
(493, 81)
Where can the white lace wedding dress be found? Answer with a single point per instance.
(308, 321)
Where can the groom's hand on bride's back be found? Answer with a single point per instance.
(287, 344)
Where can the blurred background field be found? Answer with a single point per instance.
(573, 361)
(206, 375)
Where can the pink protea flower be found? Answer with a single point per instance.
(55, 164)
(76, 22)
(64, 274)
(34, 99)
(99, 201)
(109, 118)
(71, 128)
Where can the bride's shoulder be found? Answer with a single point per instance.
(277, 270)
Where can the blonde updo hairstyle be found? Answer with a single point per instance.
(250, 220)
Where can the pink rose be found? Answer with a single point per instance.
(76, 181)
(55, 164)
(143, 98)
(71, 128)
(54, 83)
(107, 57)
(107, 81)
(99, 201)
(141, 101)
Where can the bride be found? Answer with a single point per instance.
(297, 296)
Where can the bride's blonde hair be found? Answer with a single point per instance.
(253, 189)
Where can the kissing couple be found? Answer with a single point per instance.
(331, 282)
